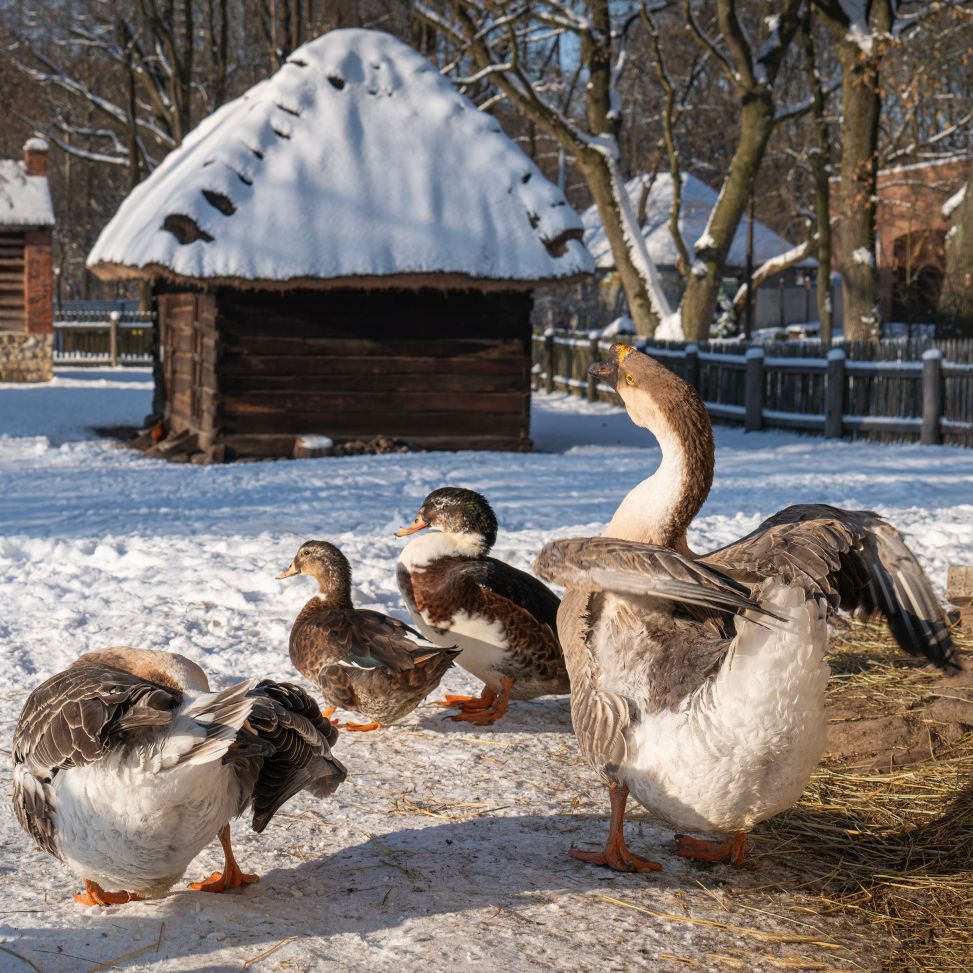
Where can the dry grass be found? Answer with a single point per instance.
(895, 849)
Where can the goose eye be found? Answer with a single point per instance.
(630, 379)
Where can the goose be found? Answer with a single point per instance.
(126, 765)
(709, 711)
(360, 660)
(503, 619)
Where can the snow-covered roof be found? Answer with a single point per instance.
(698, 201)
(357, 159)
(24, 200)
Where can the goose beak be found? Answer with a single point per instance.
(418, 524)
(289, 573)
(607, 371)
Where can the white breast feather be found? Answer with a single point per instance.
(743, 748)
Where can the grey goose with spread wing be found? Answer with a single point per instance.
(708, 711)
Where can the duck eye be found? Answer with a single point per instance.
(630, 379)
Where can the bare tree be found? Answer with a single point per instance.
(956, 297)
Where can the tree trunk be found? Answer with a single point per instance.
(861, 104)
(821, 169)
(706, 274)
(956, 297)
(635, 269)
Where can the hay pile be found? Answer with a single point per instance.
(884, 831)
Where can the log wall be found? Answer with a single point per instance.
(436, 369)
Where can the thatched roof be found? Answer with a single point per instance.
(356, 163)
(24, 200)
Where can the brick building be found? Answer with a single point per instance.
(26, 267)
(911, 230)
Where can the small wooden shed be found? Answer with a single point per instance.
(347, 250)
(26, 268)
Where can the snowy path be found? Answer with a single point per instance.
(446, 846)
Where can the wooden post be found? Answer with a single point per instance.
(113, 338)
(753, 393)
(834, 393)
(549, 360)
(932, 396)
(691, 372)
(592, 381)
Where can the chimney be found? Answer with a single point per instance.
(35, 156)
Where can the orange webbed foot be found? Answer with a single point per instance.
(94, 894)
(484, 713)
(328, 714)
(730, 850)
(470, 703)
(362, 727)
(230, 878)
(620, 859)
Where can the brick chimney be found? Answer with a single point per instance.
(35, 156)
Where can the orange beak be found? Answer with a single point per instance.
(417, 525)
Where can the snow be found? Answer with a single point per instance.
(863, 256)
(446, 840)
(698, 201)
(953, 203)
(24, 200)
(357, 158)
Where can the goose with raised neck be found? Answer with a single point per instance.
(698, 681)
(660, 509)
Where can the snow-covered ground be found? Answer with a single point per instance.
(447, 845)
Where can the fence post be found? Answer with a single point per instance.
(592, 381)
(753, 392)
(113, 337)
(834, 393)
(691, 373)
(932, 396)
(549, 360)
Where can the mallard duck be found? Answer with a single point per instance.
(126, 766)
(707, 709)
(504, 620)
(361, 660)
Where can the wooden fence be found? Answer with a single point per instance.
(929, 399)
(97, 338)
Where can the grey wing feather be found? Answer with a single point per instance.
(631, 568)
(857, 560)
(71, 720)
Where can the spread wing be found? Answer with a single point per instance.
(643, 570)
(285, 747)
(854, 558)
(71, 720)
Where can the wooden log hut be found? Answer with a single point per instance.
(347, 250)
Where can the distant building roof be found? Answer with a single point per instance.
(357, 161)
(698, 201)
(24, 200)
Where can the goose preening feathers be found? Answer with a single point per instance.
(126, 765)
(698, 681)
(361, 660)
(503, 619)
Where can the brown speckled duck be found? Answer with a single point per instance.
(503, 619)
(126, 766)
(361, 660)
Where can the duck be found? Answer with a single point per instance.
(126, 765)
(707, 710)
(361, 660)
(503, 619)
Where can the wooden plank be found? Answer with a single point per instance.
(235, 385)
(420, 400)
(369, 424)
(234, 363)
(270, 345)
